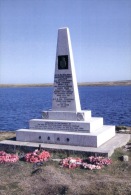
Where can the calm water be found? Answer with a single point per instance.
(19, 105)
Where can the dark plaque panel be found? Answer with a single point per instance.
(63, 62)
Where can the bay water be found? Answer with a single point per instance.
(20, 104)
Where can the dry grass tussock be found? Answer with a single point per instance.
(50, 179)
(7, 135)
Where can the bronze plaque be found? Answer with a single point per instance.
(63, 62)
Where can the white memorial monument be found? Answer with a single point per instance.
(66, 123)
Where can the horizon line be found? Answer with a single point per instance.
(121, 82)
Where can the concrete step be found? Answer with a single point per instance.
(94, 139)
(67, 115)
(89, 125)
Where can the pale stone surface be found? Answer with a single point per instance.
(125, 158)
(94, 139)
(65, 95)
(90, 125)
(66, 123)
(67, 115)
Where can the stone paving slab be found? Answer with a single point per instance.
(106, 149)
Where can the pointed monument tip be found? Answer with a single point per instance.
(64, 28)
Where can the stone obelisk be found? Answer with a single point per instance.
(65, 96)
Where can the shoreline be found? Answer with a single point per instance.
(110, 83)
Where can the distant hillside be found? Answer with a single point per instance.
(26, 85)
(110, 83)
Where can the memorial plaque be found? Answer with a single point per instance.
(63, 90)
(59, 126)
(63, 62)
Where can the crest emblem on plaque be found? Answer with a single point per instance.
(63, 62)
(45, 115)
(80, 116)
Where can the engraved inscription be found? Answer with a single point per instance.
(63, 90)
(56, 126)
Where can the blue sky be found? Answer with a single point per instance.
(100, 33)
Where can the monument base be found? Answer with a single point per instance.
(94, 139)
(105, 149)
